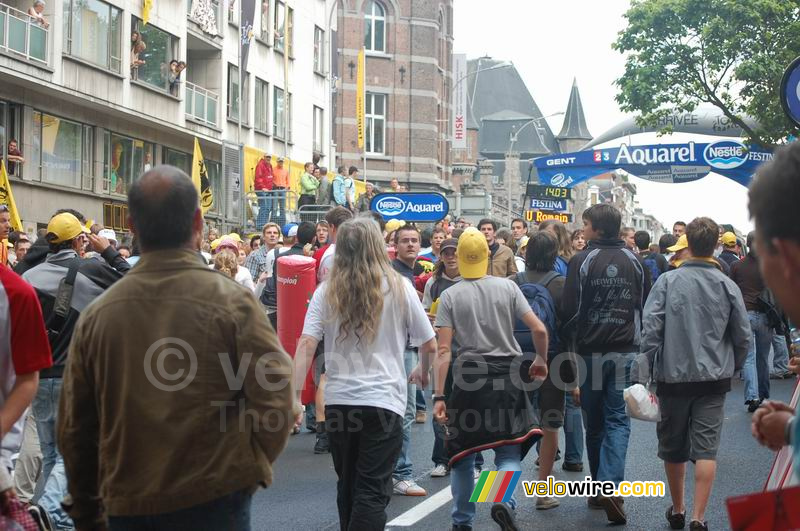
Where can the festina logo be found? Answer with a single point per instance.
(548, 204)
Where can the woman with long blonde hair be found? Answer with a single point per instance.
(366, 313)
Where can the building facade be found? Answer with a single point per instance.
(408, 78)
(92, 108)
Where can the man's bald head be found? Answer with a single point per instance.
(162, 205)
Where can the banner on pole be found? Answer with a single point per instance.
(459, 117)
(360, 107)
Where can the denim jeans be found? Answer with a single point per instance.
(573, 432)
(420, 401)
(403, 470)
(608, 426)
(264, 208)
(462, 481)
(780, 354)
(365, 442)
(231, 513)
(54, 477)
(756, 367)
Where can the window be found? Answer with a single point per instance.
(265, 21)
(233, 95)
(375, 27)
(126, 159)
(442, 44)
(262, 106)
(159, 49)
(376, 122)
(179, 159)
(319, 137)
(63, 151)
(319, 50)
(233, 12)
(278, 113)
(92, 32)
(284, 27)
(214, 170)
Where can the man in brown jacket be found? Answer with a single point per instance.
(501, 257)
(177, 397)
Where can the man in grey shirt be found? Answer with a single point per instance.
(696, 335)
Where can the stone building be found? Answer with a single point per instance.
(408, 46)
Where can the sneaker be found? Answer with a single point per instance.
(476, 475)
(546, 502)
(503, 514)
(41, 518)
(439, 471)
(615, 510)
(676, 520)
(752, 405)
(421, 417)
(594, 503)
(572, 467)
(323, 445)
(409, 487)
(696, 525)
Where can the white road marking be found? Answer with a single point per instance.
(417, 513)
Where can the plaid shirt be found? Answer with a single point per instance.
(257, 262)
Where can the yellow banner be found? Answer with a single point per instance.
(360, 107)
(146, 6)
(7, 198)
(200, 178)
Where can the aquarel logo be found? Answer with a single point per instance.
(390, 206)
(725, 154)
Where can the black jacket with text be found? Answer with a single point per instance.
(606, 288)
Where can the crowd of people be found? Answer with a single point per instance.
(558, 322)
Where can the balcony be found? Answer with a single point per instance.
(201, 105)
(22, 36)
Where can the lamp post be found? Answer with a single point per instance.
(513, 135)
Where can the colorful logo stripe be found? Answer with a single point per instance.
(495, 487)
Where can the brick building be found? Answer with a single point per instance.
(408, 80)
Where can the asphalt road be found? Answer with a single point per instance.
(303, 495)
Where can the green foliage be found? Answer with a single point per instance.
(729, 53)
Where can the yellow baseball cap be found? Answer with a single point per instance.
(680, 245)
(64, 227)
(473, 254)
(394, 224)
(233, 236)
(728, 239)
(215, 243)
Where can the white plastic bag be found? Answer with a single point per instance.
(641, 403)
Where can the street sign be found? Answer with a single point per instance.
(790, 92)
(549, 204)
(411, 206)
(537, 216)
(549, 192)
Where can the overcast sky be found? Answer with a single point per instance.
(552, 42)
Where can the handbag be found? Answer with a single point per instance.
(641, 403)
(775, 510)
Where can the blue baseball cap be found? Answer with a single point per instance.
(289, 230)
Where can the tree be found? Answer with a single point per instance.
(729, 53)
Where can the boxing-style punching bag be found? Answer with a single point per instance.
(297, 279)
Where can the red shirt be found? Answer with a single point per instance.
(264, 177)
(23, 339)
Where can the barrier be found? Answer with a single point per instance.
(781, 474)
(277, 206)
(312, 213)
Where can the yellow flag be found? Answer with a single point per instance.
(146, 6)
(360, 108)
(6, 198)
(200, 178)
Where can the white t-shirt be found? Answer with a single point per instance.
(244, 278)
(369, 375)
(271, 256)
(326, 263)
